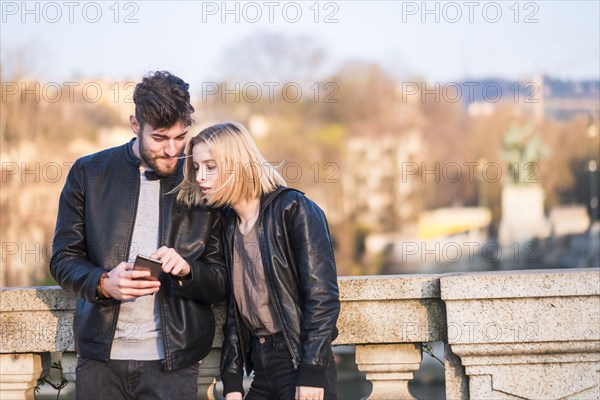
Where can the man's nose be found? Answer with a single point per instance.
(171, 148)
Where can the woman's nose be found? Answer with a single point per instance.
(200, 176)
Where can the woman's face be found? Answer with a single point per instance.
(207, 171)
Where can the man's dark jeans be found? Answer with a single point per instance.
(130, 379)
(274, 374)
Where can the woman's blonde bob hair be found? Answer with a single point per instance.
(243, 172)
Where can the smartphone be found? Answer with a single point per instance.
(143, 263)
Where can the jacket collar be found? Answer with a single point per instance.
(230, 217)
(129, 156)
(268, 198)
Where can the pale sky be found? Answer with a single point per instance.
(447, 41)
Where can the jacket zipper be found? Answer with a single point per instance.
(126, 256)
(274, 295)
(167, 362)
(237, 319)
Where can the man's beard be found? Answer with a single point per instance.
(151, 161)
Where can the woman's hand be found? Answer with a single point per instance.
(234, 396)
(309, 393)
(172, 262)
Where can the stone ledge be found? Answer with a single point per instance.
(519, 284)
(390, 309)
(389, 287)
(36, 298)
(560, 350)
(391, 321)
(379, 309)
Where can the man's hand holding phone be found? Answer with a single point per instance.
(130, 280)
(125, 283)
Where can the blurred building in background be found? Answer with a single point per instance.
(542, 97)
(379, 181)
(384, 170)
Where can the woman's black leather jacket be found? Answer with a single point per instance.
(297, 254)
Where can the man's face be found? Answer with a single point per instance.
(159, 149)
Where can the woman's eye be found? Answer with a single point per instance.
(210, 168)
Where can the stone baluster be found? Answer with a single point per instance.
(389, 367)
(19, 374)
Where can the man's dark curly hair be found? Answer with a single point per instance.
(161, 100)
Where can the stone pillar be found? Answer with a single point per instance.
(19, 374)
(207, 378)
(69, 363)
(389, 367)
(522, 214)
(526, 334)
(457, 383)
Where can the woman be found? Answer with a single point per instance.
(284, 300)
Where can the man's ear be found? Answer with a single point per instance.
(134, 124)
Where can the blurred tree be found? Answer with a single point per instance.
(272, 57)
(39, 123)
(308, 136)
(559, 173)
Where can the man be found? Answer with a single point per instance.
(139, 338)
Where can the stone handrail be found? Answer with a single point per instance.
(498, 328)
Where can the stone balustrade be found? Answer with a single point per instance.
(507, 335)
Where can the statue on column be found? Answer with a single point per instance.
(523, 217)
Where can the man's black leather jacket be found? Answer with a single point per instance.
(93, 234)
(298, 259)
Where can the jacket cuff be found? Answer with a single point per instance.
(232, 383)
(311, 375)
(184, 281)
